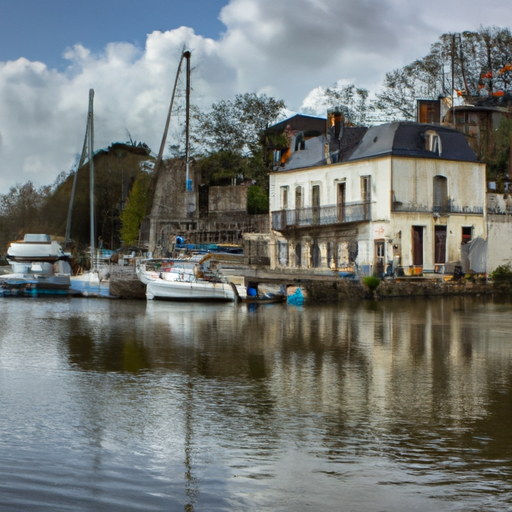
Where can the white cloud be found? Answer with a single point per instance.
(287, 48)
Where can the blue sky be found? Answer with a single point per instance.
(53, 51)
(42, 29)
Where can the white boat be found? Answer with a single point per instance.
(37, 263)
(184, 279)
(148, 270)
(190, 288)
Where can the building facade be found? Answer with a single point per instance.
(404, 201)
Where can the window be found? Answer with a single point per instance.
(315, 195)
(379, 256)
(467, 235)
(329, 253)
(284, 198)
(440, 245)
(341, 202)
(315, 203)
(283, 253)
(366, 189)
(300, 143)
(298, 255)
(429, 111)
(298, 197)
(316, 256)
(440, 194)
(433, 142)
(417, 245)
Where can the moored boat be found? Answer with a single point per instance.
(185, 279)
(190, 288)
(37, 263)
(148, 270)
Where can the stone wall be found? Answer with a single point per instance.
(256, 249)
(499, 240)
(227, 199)
(340, 290)
(125, 284)
(213, 215)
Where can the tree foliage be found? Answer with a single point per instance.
(472, 64)
(27, 209)
(257, 200)
(498, 159)
(135, 210)
(20, 211)
(224, 167)
(230, 135)
(352, 101)
(236, 125)
(502, 274)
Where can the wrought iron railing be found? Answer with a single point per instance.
(321, 215)
(497, 210)
(440, 209)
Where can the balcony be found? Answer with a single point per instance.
(439, 209)
(321, 216)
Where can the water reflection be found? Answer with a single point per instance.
(387, 406)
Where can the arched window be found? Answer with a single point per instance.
(440, 194)
(433, 142)
(298, 255)
(283, 253)
(316, 257)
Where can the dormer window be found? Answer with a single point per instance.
(433, 142)
(300, 143)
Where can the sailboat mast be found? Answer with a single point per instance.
(78, 165)
(91, 171)
(187, 124)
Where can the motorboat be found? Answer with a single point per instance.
(37, 263)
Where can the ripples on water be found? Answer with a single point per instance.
(396, 406)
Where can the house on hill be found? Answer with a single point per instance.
(401, 197)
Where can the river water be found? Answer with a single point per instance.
(109, 405)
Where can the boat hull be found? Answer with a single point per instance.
(189, 291)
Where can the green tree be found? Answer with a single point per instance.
(231, 135)
(236, 125)
(223, 167)
(135, 211)
(257, 200)
(20, 211)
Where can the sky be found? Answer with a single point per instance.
(52, 52)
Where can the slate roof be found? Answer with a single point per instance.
(408, 139)
(350, 139)
(302, 123)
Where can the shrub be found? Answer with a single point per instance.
(371, 282)
(502, 274)
(257, 200)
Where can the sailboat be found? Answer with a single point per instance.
(89, 278)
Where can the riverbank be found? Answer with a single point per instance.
(325, 288)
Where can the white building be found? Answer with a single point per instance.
(405, 199)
